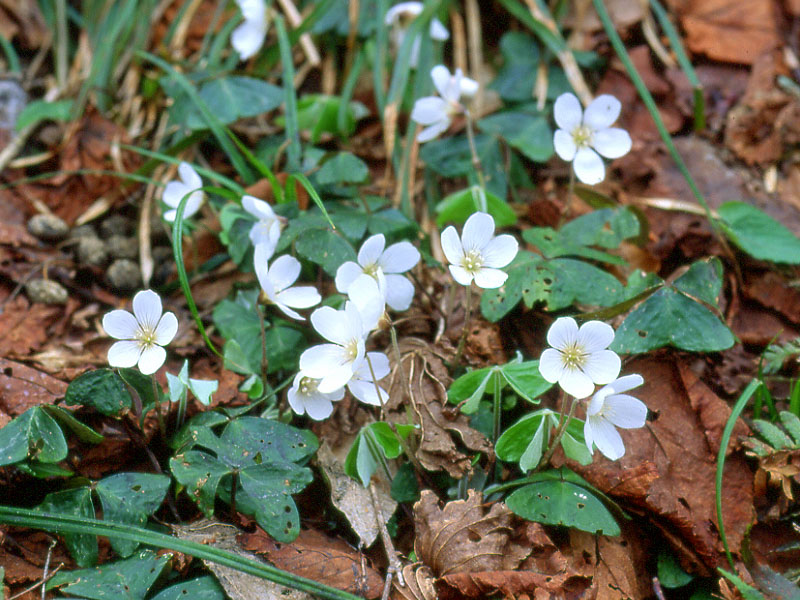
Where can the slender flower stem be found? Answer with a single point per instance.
(157, 399)
(476, 161)
(562, 427)
(264, 360)
(463, 340)
(496, 406)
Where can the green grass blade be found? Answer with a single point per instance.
(22, 517)
(216, 126)
(723, 446)
(647, 98)
(177, 251)
(554, 43)
(313, 193)
(259, 165)
(290, 94)
(686, 65)
(347, 91)
(51, 174)
(11, 56)
(381, 52)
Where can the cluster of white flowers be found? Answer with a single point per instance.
(189, 183)
(578, 359)
(436, 112)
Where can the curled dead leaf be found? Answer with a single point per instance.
(419, 584)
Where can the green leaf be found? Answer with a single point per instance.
(319, 114)
(199, 588)
(525, 379)
(342, 168)
(200, 474)
(670, 573)
(253, 440)
(458, 206)
(671, 318)
(451, 157)
(533, 451)
(557, 502)
(758, 234)
(34, 434)
(528, 133)
(77, 502)
(404, 485)
(41, 110)
(271, 487)
(128, 579)
(102, 390)
(325, 248)
(514, 441)
(83, 432)
(792, 424)
(776, 438)
(234, 97)
(574, 443)
(517, 77)
(470, 387)
(130, 498)
(392, 223)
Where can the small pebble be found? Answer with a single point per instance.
(48, 227)
(124, 275)
(92, 252)
(116, 225)
(46, 291)
(122, 247)
(82, 231)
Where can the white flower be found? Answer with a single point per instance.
(305, 398)
(435, 112)
(276, 279)
(399, 17)
(609, 408)
(248, 37)
(478, 254)
(362, 385)
(385, 266)
(334, 364)
(580, 134)
(142, 333)
(578, 358)
(174, 192)
(267, 230)
(365, 294)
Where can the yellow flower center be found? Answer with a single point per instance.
(574, 356)
(472, 261)
(352, 349)
(146, 336)
(371, 270)
(582, 136)
(308, 386)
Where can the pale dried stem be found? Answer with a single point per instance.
(295, 19)
(475, 46)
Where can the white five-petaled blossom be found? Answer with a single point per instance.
(578, 358)
(267, 230)
(435, 112)
(478, 254)
(305, 398)
(248, 37)
(174, 192)
(399, 17)
(142, 333)
(582, 135)
(385, 265)
(276, 281)
(610, 408)
(362, 385)
(365, 294)
(334, 363)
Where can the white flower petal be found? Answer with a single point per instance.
(627, 382)
(336, 378)
(124, 354)
(151, 359)
(567, 112)
(478, 231)
(261, 255)
(438, 31)
(461, 275)
(258, 208)
(193, 204)
(625, 411)
(606, 438)
(170, 215)
(399, 292)
(299, 297)
(371, 250)
(433, 131)
(380, 365)
(365, 392)
(329, 324)
(500, 251)
(588, 166)
(167, 328)
(402, 8)
(602, 112)
(490, 279)
(120, 324)
(147, 308)
(602, 367)
(594, 336)
(441, 79)
(551, 365)
(612, 142)
(346, 274)
(189, 176)
(318, 361)
(469, 87)
(587, 435)
(576, 383)
(284, 271)
(564, 145)
(318, 407)
(248, 38)
(174, 192)
(451, 245)
(430, 110)
(399, 258)
(562, 333)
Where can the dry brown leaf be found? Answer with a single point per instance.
(419, 584)
(464, 537)
(429, 378)
(515, 584)
(22, 387)
(736, 31)
(676, 453)
(24, 18)
(772, 290)
(24, 327)
(316, 556)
